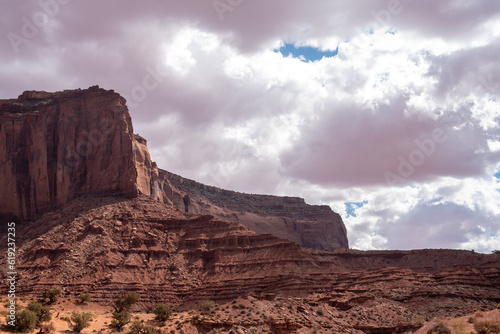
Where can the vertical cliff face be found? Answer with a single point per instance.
(54, 146)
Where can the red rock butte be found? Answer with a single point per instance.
(57, 146)
(95, 214)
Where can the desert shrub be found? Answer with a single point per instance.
(419, 320)
(439, 328)
(120, 319)
(80, 321)
(25, 321)
(124, 303)
(479, 314)
(50, 296)
(487, 327)
(42, 312)
(207, 306)
(458, 326)
(162, 312)
(48, 328)
(85, 297)
(138, 327)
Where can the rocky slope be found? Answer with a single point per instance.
(110, 245)
(55, 146)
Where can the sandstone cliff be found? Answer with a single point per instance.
(56, 146)
(313, 226)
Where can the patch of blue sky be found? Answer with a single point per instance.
(305, 53)
(350, 207)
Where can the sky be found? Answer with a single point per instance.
(385, 110)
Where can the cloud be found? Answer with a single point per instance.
(218, 105)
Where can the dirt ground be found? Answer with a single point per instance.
(238, 314)
(102, 316)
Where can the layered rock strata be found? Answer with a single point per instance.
(56, 146)
(116, 245)
(312, 226)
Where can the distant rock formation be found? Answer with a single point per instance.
(57, 146)
(312, 226)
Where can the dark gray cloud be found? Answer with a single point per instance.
(218, 105)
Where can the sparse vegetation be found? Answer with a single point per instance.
(459, 326)
(26, 320)
(487, 327)
(479, 314)
(48, 328)
(124, 303)
(42, 312)
(50, 296)
(439, 328)
(85, 297)
(207, 306)
(419, 320)
(80, 321)
(138, 327)
(162, 312)
(120, 320)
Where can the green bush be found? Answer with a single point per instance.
(138, 327)
(50, 296)
(120, 320)
(162, 312)
(207, 306)
(124, 303)
(85, 297)
(42, 312)
(25, 321)
(439, 328)
(80, 321)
